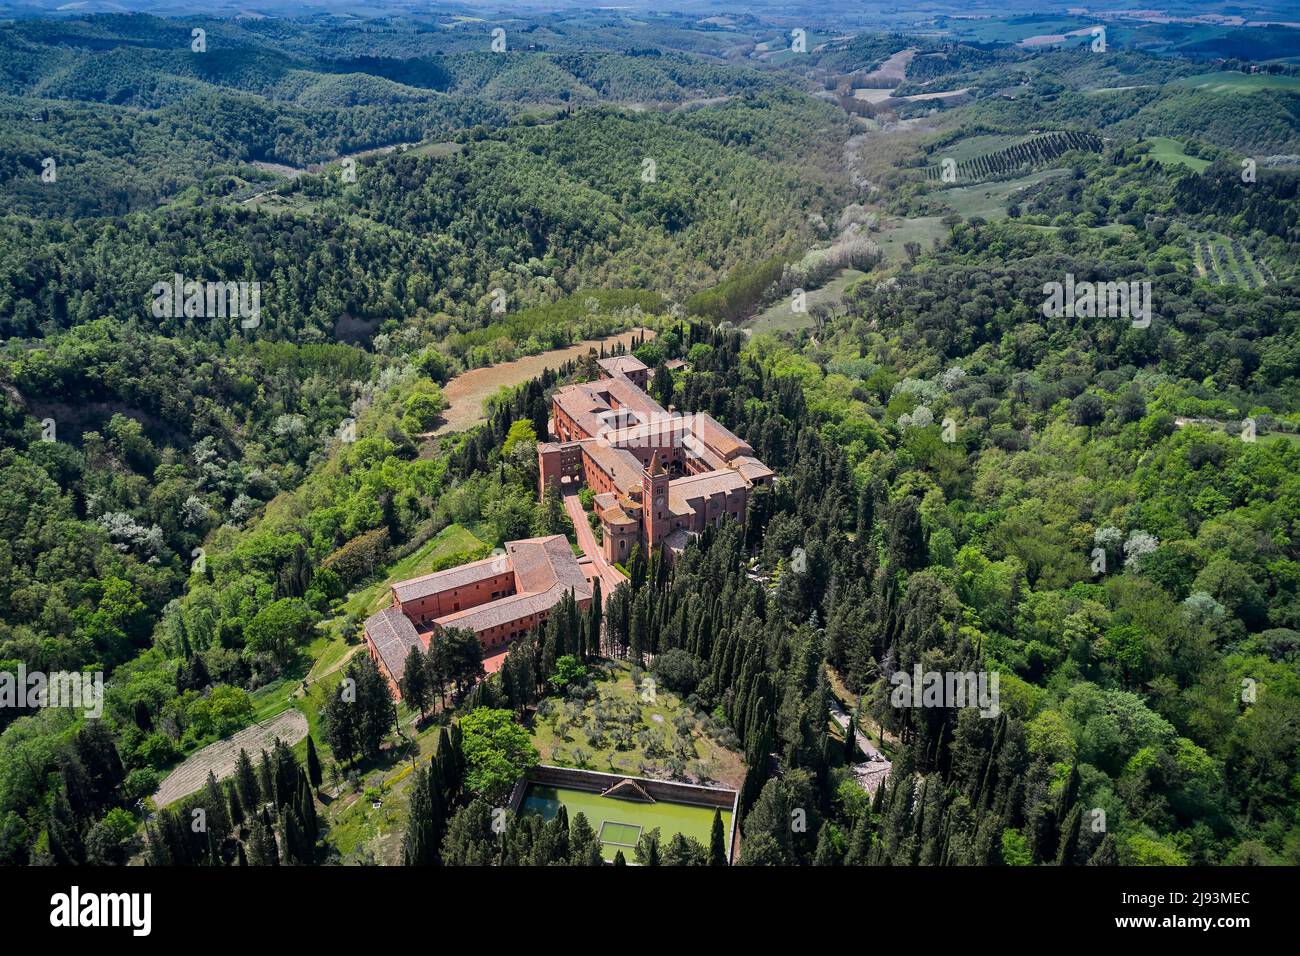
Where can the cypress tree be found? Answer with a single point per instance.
(295, 849)
(246, 782)
(418, 845)
(262, 848)
(447, 765)
(1069, 847)
(1105, 854)
(313, 764)
(236, 809)
(65, 838)
(306, 807)
(859, 842)
(717, 841)
(214, 801)
(438, 801)
(593, 620)
(825, 854)
(265, 779)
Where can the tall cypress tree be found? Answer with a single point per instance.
(65, 838)
(593, 621)
(717, 841)
(313, 764)
(825, 854)
(1069, 847)
(419, 843)
(246, 783)
(236, 809)
(859, 842)
(262, 849)
(306, 807)
(447, 765)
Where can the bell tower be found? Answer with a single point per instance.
(654, 502)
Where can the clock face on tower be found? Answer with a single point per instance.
(659, 501)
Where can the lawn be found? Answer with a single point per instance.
(363, 833)
(437, 150)
(453, 545)
(1167, 151)
(990, 200)
(987, 200)
(620, 823)
(1226, 81)
(620, 732)
(781, 318)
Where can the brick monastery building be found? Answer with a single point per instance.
(498, 598)
(660, 478)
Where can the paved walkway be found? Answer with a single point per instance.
(610, 576)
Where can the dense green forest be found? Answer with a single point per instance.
(205, 511)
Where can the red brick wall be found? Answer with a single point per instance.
(423, 610)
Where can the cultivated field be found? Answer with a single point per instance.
(467, 392)
(220, 757)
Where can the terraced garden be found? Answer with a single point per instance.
(617, 731)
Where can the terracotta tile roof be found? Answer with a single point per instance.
(622, 364)
(615, 515)
(720, 439)
(506, 610)
(701, 451)
(458, 576)
(585, 401)
(393, 635)
(682, 491)
(545, 569)
(659, 432)
(620, 464)
(708, 483)
(541, 563)
(751, 468)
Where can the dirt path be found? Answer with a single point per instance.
(220, 757)
(466, 392)
(875, 769)
(341, 662)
